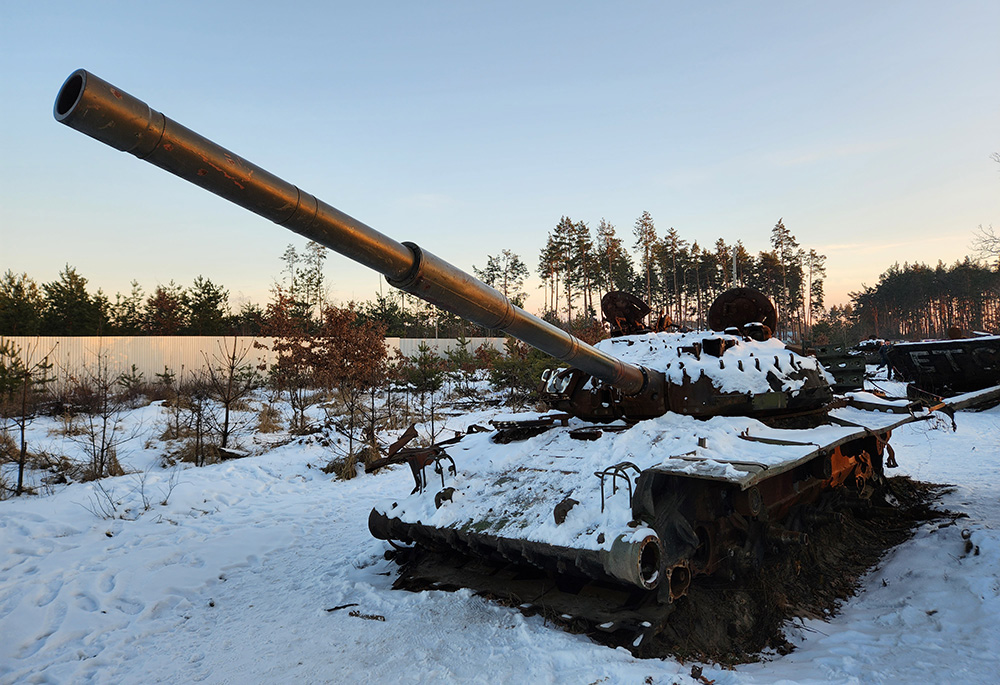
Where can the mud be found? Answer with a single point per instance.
(730, 621)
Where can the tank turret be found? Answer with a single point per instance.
(597, 385)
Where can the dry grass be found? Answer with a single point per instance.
(69, 425)
(8, 448)
(188, 453)
(269, 420)
(112, 467)
(343, 468)
(172, 432)
(240, 405)
(346, 467)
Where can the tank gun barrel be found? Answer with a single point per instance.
(93, 106)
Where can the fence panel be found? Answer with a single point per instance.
(151, 354)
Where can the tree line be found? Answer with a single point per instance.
(676, 277)
(577, 266)
(916, 301)
(66, 307)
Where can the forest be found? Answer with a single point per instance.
(578, 264)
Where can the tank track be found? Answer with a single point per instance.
(727, 616)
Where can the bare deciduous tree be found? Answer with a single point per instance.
(105, 406)
(986, 243)
(231, 378)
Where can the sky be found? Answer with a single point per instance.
(469, 128)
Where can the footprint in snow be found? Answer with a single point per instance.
(168, 607)
(48, 593)
(53, 622)
(12, 560)
(129, 606)
(86, 602)
(30, 517)
(9, 602)
(106, 582)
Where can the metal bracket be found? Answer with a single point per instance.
(615, 472)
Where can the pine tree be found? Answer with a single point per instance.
(127, 311)
(724, 256)
(505, 272)
(290, 274)
(815, 265)
(645, 241)
(789, 256)
(21, 305)
(23, 375)
(671, 254)
(564, 231)
(69, 308)
(166, 310)
(615, 271)
(425, 373)
(249, 321)
(580, 264)
(554, 265)
(207, 307)
(549, 266)
(310, 279)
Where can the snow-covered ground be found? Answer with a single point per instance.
(233, 573)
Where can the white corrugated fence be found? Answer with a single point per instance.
(151, 354)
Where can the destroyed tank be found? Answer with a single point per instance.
(666, 455)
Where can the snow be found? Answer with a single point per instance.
(236, 577)
(978, 337)
(872, 399)
(743, 368)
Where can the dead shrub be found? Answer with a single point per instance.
(269, 420)
(112, 467)
(240, 405)
(188, 453)
(343, 468)
(346, 467)
(175, 432)
(36, 461)
(158, 392)
(8, 448)
(61, 468)
(368, 454)
(69, 425)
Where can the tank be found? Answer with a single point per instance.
(948, 367)
(665, 454)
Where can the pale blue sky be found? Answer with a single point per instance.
(469, 128)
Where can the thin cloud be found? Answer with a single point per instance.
(428, 201)
(869, 248)
(830, 151)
